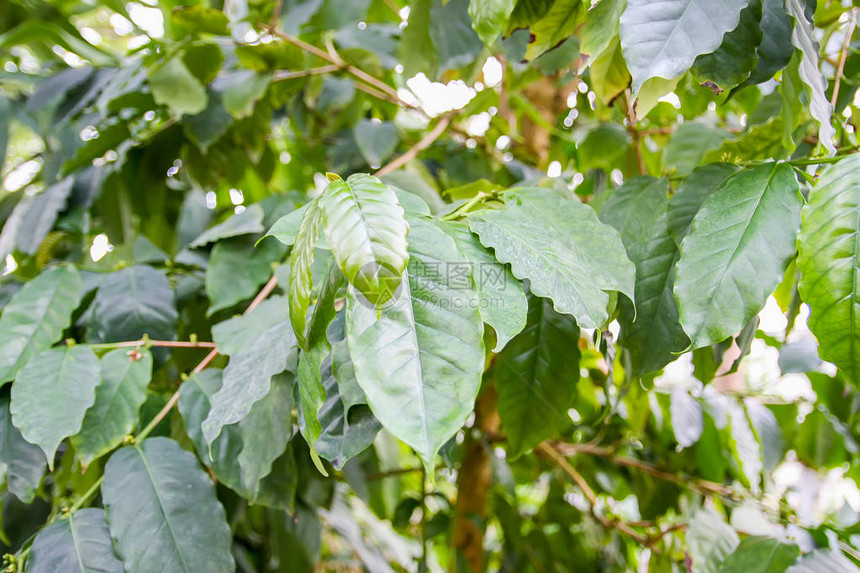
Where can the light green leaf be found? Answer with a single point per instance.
(692, 193)
(503, 303)
(601, 26)
(490, 18)
(829, 262)
(559, 23)
(762, 141)
(536, 376)
(238, 334)
(663, 39)
(745, 449)
(173, 85)
(301, 260)
(248, 376)
(375, 140)
(687, 420)
(240, 90)
(760, 555)
(609, 75)
(286, 228)
(650, 331)
(249, 221)
(36, 316)
(237, 270)
(419, 358)
(199, 19)
(132, 302)
(51, 395)
(277, 488)
(819, 106)
(736, 57)
(366, 230)
(736, 253)
(78, 543)
(688, 146)
(119, 396)
(709, 540)
(822, 561)
(162, 511)
(561, 247)
(24, 462)
(311, 388)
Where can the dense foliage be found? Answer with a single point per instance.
(465, 285)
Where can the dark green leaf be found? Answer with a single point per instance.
(249, 221)
(33, 218)
(692, 193)
(24, 462)
(237, 270)
(490, 18)
(736, 57)
(77, 543)
(376, 140)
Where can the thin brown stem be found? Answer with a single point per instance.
(281, 75)
(174, 399)
(413, 151)
(146, 342)
(843, 55)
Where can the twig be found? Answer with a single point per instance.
(843, 55)
(635, 135)
(281, 75)
(413, 151)
(144, 342)
(171, 403)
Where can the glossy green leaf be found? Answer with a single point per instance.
(650, 331)
(173, 85)
(51, 395)
(559, 22)
(119, 396)
(736, 57)
(567, 254)
(366, 230)
(225, 284)
(36, 316)
(692, 193)
(301, 260)
(829, 259)
(249, 221)
(419, 358)
(819, 105)
(24, 462)
(503, 303)
(162, 511)
(245, 440)
(132, 302)
(490, 18)
(663, 39)
(286, 228)
(760, 555)
(775, 48)
(77, 543)
(536, 376)
(741, 241)
(709, 540)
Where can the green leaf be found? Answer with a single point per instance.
(601, 26)
(119, 396)
(609, 75)
(249, 221)
(688, 146)
(162, 511)
(301, 260)
(245, 439)
(663, 39)
(559, 23)
(503, 303)
(199, 19)
(456, 44)
(650, 331)
(366, 230)
(775, 49)
(736, 57)
(237, 270)
(561, 247)
(248, 376)
(375, 140)
(132, 302)
(761, 555)
(348, 427)
(829, 262)
(745, 448)
(240, 90)
(687, 419)
(311, 388)
(419, 358)
(692, 193)
(286, 228)
(822, 561)
(536, 375)
(79, 543)
(24, 462)
(802, 36)
(51, 395)
(36, 316)
(762, 141)
(736, 253)
(490, 18)
(173, 85)
(709, 540)
(33, 218)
